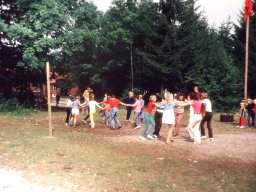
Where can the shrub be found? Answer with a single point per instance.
(12, 106)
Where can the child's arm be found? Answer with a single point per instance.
(84, 104)
(98, 105)
(124, 104)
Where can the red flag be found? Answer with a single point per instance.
(248, 9)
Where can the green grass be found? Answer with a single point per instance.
(90, 160)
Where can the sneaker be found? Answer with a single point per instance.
(241, 127)
(203, 137)
(150, 137)
(139, 126)
(154, 136)
(211, 139)
(66, 124)
(84, 121)
(142, 138)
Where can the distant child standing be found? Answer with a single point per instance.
(250, 112)
(242, 115)
(57, 98)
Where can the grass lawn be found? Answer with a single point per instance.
(83, 159)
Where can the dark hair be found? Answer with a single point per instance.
(194, 96)
(181, 94)
(158, 98)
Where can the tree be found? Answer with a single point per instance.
(239, 51)
(204, 57)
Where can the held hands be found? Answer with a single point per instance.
(124, 104)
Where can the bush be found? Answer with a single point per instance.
(12, 106)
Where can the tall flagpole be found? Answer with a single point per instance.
(246, 58)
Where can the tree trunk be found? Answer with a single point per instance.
(132, 73)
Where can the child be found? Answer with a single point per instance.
(75, 110)
(242, 114)
(85, 109)
(137, 109)
(68, 109)
(194, 124)
(92, 106)
(179, 110)
(114, 104)
(107, 109)
(149, 120)
(168, 116)
(207, 117)
(249, 112)
(141, 115)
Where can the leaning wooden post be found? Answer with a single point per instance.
(49, 99)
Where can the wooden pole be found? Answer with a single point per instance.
(246, 59)
(49, 98)
(131, 68)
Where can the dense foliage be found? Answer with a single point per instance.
(135, 44)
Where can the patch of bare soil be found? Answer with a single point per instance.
(238, 146)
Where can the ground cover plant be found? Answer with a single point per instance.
(85, 159)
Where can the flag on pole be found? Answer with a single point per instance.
(248, 9)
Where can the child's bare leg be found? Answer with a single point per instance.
(169, 136)
(75, 119)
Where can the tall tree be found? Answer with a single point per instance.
(239, 50)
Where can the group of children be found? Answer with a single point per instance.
(169, 111)
(247, 113)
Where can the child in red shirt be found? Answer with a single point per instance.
(149, 120)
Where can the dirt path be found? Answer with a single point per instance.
(13, 181)
(238, 146)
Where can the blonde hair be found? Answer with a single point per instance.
(169, 97)
(86, 94)
(152, 98)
